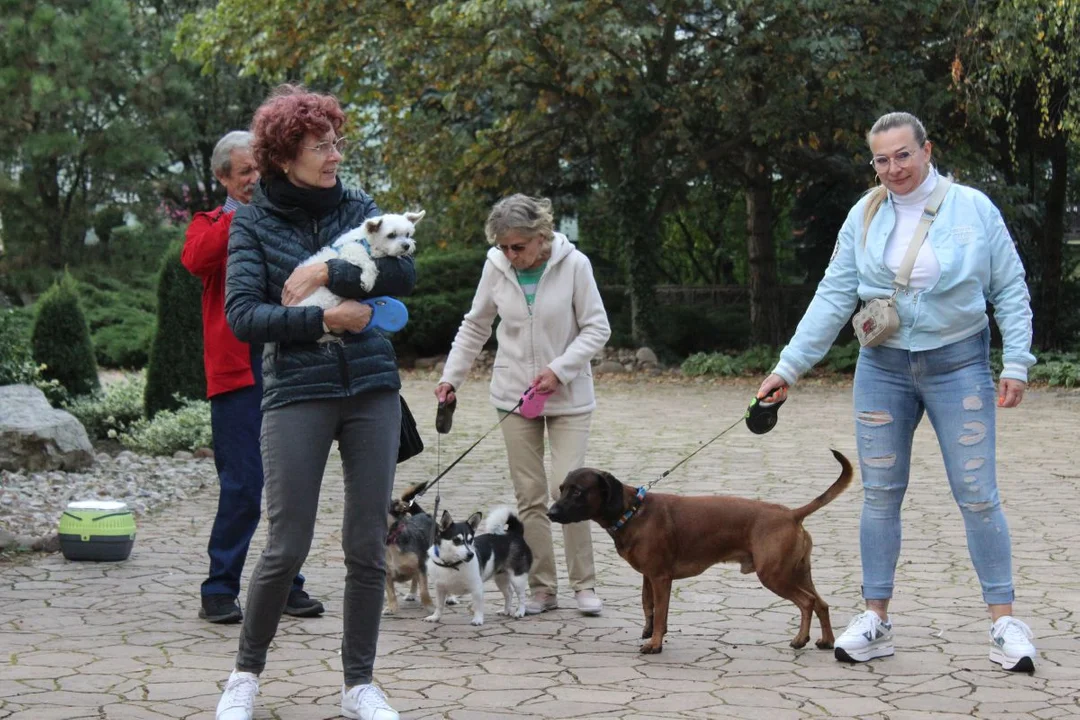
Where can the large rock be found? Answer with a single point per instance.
(34, 436)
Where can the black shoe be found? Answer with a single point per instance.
(221, 609)
(300, 605)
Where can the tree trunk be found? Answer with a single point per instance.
(766, 326)
(641, 239)
(1051, 240)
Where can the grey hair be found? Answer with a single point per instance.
(221, 160)
(893, 120)
(525, 215)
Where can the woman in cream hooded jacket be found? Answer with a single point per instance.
(549, 342)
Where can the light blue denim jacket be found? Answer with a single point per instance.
(978, 262)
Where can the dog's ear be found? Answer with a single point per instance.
(445, 521)
(613, 493)
(373, 225)
(474, 520)
(414, 217)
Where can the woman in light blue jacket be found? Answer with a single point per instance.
(937, 362)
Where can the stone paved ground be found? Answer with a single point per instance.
(122, 641)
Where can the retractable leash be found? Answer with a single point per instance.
(444, 420)
(760, 417)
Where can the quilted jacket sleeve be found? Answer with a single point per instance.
(251, 315)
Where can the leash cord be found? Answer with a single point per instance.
(468, 450)
(702, 447)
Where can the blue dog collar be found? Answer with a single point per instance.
(638, 500)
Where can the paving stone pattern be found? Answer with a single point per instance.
(82, 641)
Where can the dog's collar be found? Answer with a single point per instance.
(453, 565)
(625, 517)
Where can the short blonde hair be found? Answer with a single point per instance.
(524, 215)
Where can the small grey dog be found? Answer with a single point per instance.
(407, 539)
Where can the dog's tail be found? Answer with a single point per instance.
(829, 495)
(413, 491)
(503, 520)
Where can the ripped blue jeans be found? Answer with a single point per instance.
(955, 388)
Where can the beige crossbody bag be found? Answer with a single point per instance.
(878, 319)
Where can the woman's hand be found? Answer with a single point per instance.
(304, 281)
(773, 389)
(444, 392)
(546, 382)
(1010, 392)
(349, 316)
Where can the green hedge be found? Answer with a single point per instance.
(446, 281)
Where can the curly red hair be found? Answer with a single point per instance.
(282, 121)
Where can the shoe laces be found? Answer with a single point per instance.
(371, 696)
(864, 622)
(242, 690)
(1014, 631)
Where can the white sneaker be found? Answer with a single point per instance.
(238, 700)
(865, 638)
(1011, 646)
(588, 603)
(366, 702)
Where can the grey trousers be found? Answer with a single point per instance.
(296, 442)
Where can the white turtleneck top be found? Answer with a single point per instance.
(909, 209)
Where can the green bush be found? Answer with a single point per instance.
(111, 411)
(185, 428)
(17, 364)
(61, 339)
(446, 281)
(842, 358)
(176, 354)
(121, 317)
(758, 360)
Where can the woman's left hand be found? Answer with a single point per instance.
(546, 382)
(1010, 392)
(304, 281)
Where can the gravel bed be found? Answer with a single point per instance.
(31, 503)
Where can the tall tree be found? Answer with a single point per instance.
(70, 136)
(1018, 62)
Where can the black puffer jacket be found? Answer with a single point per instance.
(266, 243)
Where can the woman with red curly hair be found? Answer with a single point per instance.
(314, 393)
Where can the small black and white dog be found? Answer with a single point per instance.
(460, 561)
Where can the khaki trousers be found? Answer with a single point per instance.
(569, 438)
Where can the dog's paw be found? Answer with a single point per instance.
(650, 649)
(387, 610)
(520, 612)
(433, 617)
(824, 644)
(477, 620)
(451, 600)
(410, 598)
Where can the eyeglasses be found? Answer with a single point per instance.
(516, 249)
(902, 159)
(323, 148)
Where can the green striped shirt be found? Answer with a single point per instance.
(529, 279)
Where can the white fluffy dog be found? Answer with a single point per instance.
(380, 236)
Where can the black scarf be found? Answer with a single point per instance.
(316, 202)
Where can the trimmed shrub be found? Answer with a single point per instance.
(112, 410)
(61, 339)
(121, 318)
(176, 354)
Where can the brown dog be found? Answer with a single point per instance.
(667, 537)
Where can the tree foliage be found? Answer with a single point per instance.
(176, 355)
(61, 339)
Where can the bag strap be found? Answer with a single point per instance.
(903, 273)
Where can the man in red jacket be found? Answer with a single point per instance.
(234, 386)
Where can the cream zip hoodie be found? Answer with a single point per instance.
(565, 328)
